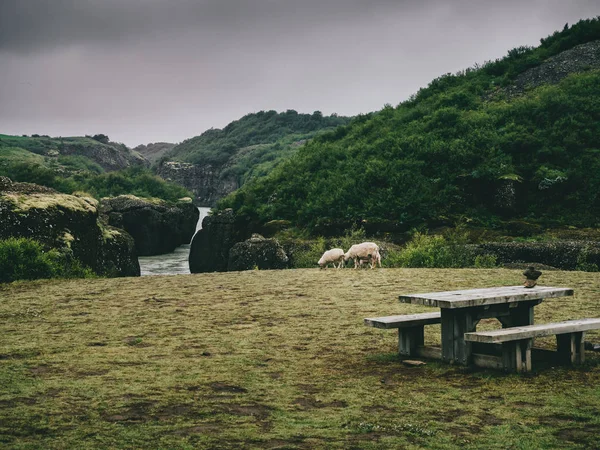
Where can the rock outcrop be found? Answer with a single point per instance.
(153, 152)
(111, 156)
(257, 253)
(565, 255)
(66, 221)
(210, 247)
(156, 226)
(204, 181)
(580, 58)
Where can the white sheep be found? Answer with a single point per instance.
(332, 256)
(366, 251)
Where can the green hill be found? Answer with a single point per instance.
(254, 144)
(513, 139)
(91, 164)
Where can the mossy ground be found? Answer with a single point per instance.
(272, 359)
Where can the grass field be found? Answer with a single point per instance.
(273, 359)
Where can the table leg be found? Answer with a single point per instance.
(520, 315)
(455, 323)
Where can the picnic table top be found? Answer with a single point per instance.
(484, 296)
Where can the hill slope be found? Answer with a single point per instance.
(219, 161)
(70, 164)
(470, 147)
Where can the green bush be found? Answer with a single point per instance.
(486, 261)
(305, 259)
(425, 250)
(26, 259)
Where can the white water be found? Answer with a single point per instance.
(171, 263)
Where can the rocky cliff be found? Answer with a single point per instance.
(153, 152)
(157, 226)
(210, 247)
(204, 181)
(66, 221)
(580, 58)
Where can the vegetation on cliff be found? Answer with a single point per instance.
(82, 164)
(463, 149)
(254, 144)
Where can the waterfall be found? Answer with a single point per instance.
(171, 263)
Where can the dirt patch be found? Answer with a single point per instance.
(135, 341)
(586, 436)
(450, 415)
(309, 388)
(378, 409)
(135, 413)
(260, 412)
(203, 428)
(222, 387)
(522, 404)
(92, 373)
(20, 355)
(488, 419)
(560, 419)
(306, 403)
(45, 369)
(16, 401)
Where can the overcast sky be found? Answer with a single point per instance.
(145, 71)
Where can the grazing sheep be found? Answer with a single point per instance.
(372, 260)
(332, 256)
(368, 251)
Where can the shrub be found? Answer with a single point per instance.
(485, 261)
(308, 258)
(26, 259)
(438, 251)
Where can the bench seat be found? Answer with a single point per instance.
(403, 321)
(411, 329)
(518, 341)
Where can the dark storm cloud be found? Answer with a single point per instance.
(148, 70)
(28, 25)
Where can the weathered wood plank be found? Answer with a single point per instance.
(404, 321)
(532, 331)
(484, 296)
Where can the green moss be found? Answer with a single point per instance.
(45, 201)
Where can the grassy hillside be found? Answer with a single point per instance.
(252, 145)
(82, 164)
(261, 359)
(467, 148)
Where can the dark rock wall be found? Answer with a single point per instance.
(205, 181)
(65, 221)
(566, 255)
(157, 227)
(210, 247)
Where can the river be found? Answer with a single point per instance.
(171, 263)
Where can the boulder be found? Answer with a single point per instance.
(257, 253)
(156, 226)
(210, 247)
(67, 222)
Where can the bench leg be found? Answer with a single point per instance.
(455, 323)
(516, 355)
(409, 339)
(570, 348)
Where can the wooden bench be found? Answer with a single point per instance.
(518, 341)
(411, 329)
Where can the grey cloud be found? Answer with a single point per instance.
(29, 25)
(154, 70)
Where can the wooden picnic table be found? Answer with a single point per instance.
(462, 310)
